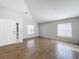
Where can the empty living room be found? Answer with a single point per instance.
(39, 29)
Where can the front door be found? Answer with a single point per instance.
(7, 32)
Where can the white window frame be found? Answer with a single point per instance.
(64, 30)
(30, 29)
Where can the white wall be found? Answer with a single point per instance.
(28, 20)
(23, 19)
(7, 32)
(8, 14)
(49, 30)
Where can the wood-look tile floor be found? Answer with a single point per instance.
(40, 48)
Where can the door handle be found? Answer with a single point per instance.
(17, 30)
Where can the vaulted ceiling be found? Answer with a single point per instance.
(17, 5)
(50, 10)
(45, 10)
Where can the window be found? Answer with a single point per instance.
(64, 30)
(30, 29)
